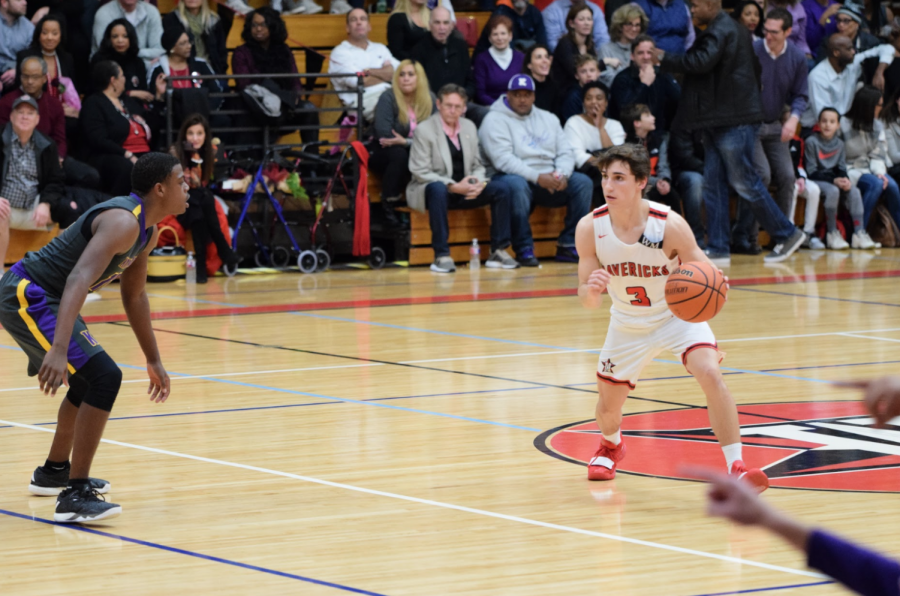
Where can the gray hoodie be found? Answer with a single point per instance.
(526, 146)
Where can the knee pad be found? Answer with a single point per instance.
(104, 378)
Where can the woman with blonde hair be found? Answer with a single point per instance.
(407, 25)
(400, 109)
(627, 23)
(205, 29)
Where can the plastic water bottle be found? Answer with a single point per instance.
(190, 270)
(474, 255)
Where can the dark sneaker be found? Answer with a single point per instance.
(785, 249)
(746, 248)
(83, 506)
(49, 483)
(500, 259)
(527, 258)
(566, 254)
(719, 259)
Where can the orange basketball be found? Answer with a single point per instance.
(695, 292)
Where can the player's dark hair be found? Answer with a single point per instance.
(151, 169)
(635, 156)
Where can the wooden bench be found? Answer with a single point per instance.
(21, 241)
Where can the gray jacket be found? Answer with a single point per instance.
(386, 118)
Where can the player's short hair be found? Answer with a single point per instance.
(151, 169)
(635, 156)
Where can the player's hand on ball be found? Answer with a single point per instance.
(53, 371)
(598, 281)
(727, 286)
(159, 382)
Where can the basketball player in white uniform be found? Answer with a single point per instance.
(627, 248)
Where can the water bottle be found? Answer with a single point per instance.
(190, 270)
(474, 255)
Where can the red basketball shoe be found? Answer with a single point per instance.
(603, 465)
(756, 477)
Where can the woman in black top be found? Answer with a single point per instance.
(579, 40)
(407, 25)
(120, 44)
(49, 43)
(205, 29)
(537, 64)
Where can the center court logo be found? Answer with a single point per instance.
(807, 445)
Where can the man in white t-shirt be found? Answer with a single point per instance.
(358, 54)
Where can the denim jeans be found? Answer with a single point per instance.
(690, 186)
(729, 160)
(576, 198)
(871, 188)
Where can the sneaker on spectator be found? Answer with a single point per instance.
(444, 264)
(835, 241)
(500, 259)
(719, 259)
(340, 7)
(311, 7)
(861, 239)
(293, 7)
(566, 254)
(746, 248)
(527, 259)
(785, 249)
(239, 6)
(813, 242)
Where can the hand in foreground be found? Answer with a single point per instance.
(159, 383)
(730, 497)
(882, 399)
(597, 281)
(53, 371)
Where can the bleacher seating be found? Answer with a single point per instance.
(21, 241)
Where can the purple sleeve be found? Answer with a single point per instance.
(242, 63)
(481, 69)
(862, 570)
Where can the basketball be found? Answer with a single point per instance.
(695, 292)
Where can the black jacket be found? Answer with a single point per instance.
(213, 39)
(133, 68)
(105, 129)
(661, 97)
(685, 151)
(51, 178)
(403, 35)
(720, 87)
(445, 63)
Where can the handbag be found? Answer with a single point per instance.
(167, 263)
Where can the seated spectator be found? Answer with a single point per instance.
(494, 68)
(77, 38)
(147, 24)
(556, 22)
(16, 33)
(358, 54)
(826, 165)
(528, 25)
(120, 45)
(798, 29)
(444, 56)
(529, 150)
(640, 129)
(31, 185)
(52, 124)
(49, 43)
(628, 23)
(890, 118)
(116, 129)
(177, 62)
(820, 21)
(892, 74)
(400, 110)
(447, 173)
(848, 19)
(685, 152)
(642, 82)
(537, 64)
(670, 24)
(587, 70)
(805, 188)
(878, 18)
(407, 26)
(205, 30)
(591, 132)
(866, 150)
(577, 42)
(195, 150)
(832, 83)
(749, 14)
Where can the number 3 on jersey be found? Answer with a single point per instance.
(640, 295)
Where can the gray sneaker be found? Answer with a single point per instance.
(719, 259)
(500, 259)
(813, 243)
(444, 264)
(785, 249)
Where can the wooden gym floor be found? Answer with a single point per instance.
(398, 432)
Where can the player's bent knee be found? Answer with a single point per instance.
(105, 380)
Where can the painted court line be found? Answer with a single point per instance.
(189, 553)
(772, 589)
(870, 337)
(450, 506)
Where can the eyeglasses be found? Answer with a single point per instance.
(632, 25)
(844, 21)
(771, 31)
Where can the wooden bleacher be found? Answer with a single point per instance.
(21, 241)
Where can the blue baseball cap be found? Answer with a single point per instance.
(521, 82)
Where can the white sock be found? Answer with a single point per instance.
(616, 438)
(732, 454)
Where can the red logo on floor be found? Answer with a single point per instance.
(809, 445)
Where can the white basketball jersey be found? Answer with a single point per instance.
(638, 271)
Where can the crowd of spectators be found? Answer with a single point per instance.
(766, 102)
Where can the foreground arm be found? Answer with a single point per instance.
(592, 277)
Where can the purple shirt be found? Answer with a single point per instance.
(815, 32)
(491, 81)
(862, 570)
(783, 79)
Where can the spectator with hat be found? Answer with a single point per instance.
(530, 153)
(849, 19)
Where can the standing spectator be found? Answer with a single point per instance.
(587, 70)
(205, 30)
(783, 81)
(528, 25)
(400, 110)
(798, 29)
(749, 14)
(494, 68)
(720, 96)
(832, 83)
(31, 181)
(820, 21)
(147, 23)
(849, 18)
(447, 173)
(628, 23)
(866, 150)
(537, 64)
(528, 147)
(556, 22)
(16, 33)
(670, 24)
(643, 83)
(577, 42)
(358, 54)
(408, 25)
(120, 45)
(685, 153)
(591, 132)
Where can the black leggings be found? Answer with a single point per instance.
(202, 220)
(392, 164)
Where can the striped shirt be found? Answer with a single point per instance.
(20, 187)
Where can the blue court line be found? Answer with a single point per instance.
(772, 589)
(196, 555)
(870, 302)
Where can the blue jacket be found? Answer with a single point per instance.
(670, 25)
